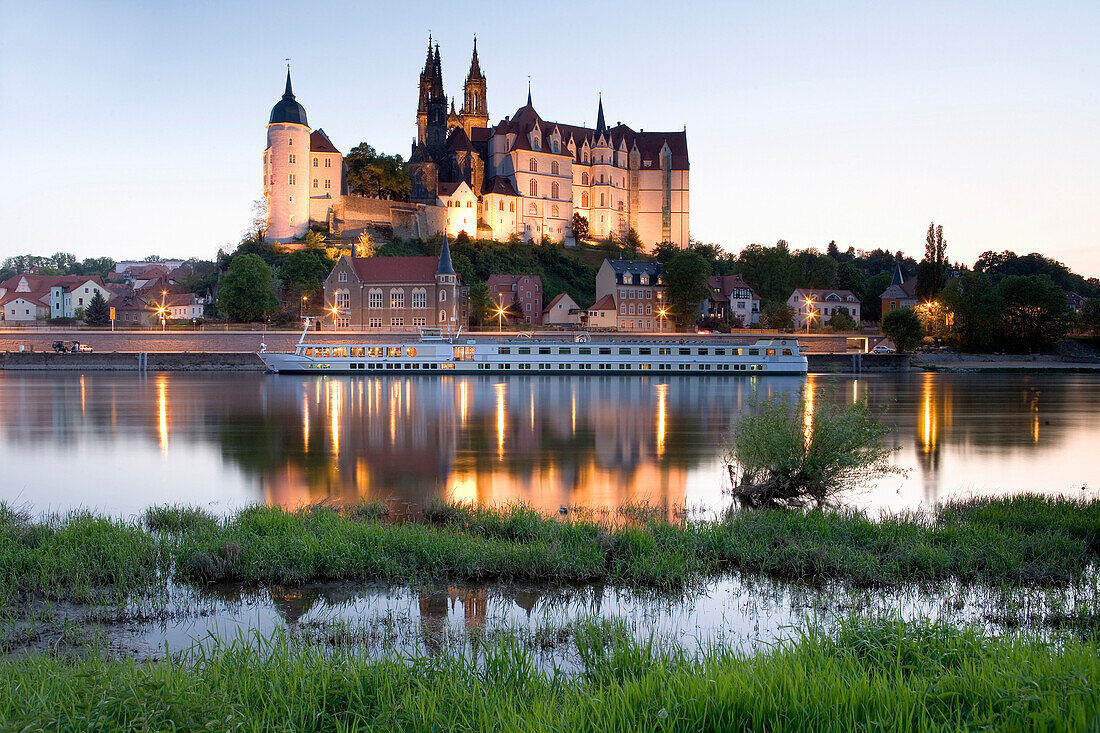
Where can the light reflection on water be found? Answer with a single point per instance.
(120, 442)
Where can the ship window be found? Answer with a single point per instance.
(393, 351)
(645, 351)
(624, 351)
(664, 351)
(504, 350)
(584, 350)
(754, 352)
(565, 351)
(309, 351)
(787, 352)
(525, 350)
(410, 352)
(685, 351)
(770, 352)
(605, 350)
(544, 349)
(704, 352)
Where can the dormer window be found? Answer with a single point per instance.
(643, 280)
(627, 279)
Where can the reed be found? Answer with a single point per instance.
(869, 674)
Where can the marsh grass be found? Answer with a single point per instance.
(1016, 541)
(868, 674)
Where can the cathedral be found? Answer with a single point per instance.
(523, 177)
(527, 176)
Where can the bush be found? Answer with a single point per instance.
(794, 453)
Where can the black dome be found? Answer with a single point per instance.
(287, 109)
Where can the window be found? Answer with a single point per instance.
(501, 206)
(620, 206)
(292, 181)
(374, 299)
(554, 190)
(469, 204)
(314, 162)
(397, 322)
(328, 183)
(512, 206)
(420, 298)
(328, 162)
(419, 322)
(554, 167)
(533, 166)
(622, 308)
(534, 187)
(290, 141)
(584, 200)
(584, 156)
(442, 316)
(342, 277)
(397, 298)
(292, 157)
(442, 295)
(554, 209)
(374, 323)
(533, 209)
(315, 183)
(584, 179)
(603, 199)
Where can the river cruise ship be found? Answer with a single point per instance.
(436, 353)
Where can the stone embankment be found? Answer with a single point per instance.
(131, 362)
(856, 363)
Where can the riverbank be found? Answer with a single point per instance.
(1009, 363)
(1027, 540)
(867, 674)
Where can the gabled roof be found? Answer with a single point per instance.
(821, 294)
(499, 185)
(634, 267)
(558, 299)
(905, 291)
(394, 269)
(496, 281)
(319, 142)
(606, 303)
(459, 141)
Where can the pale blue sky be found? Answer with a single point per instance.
(138, 127)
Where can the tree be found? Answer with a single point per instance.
(767, 270)
(480, 303)
(811, 269)
(245, 291)
(973, 312)
(842, 321)
(777, 315)
(665, 251)
(871, 302)
(932, 272)
(1089, 317)
(903, 327)
(686, 277)
(848, 277)
(64, 262)
(304, 272)
(102, 266)
(1034, 312)
(97, 313)
(792, 453)
(833, 251)
(633, 242)
(364, 245)
(580, 227)
(371, 173)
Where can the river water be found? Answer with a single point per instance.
(118, 443)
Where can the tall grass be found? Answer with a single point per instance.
(869, 675)
(1028, 540)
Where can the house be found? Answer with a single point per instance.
(902, 293)
(132, 310)
(397, 293)
(732, 299)
(462, 208)
(183, 306)
(1074, 301)
(821, 305)
(602, 313)
(638, 291)
(524, 291)
(562, 311)
(49, 296)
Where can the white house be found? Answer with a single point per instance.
(562, 311)
(822, 305)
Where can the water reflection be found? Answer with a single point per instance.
(551, 442)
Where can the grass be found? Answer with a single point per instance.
(869, 674)
(1024, 540)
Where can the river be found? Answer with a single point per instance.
(117, 443)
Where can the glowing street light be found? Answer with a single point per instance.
(163, 310)
(661, 321)
(301, 308)
(809, 311)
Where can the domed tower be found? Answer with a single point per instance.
(286, 169)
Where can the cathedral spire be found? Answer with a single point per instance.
(529, 93)
(475, 66)
(289, 93)
(601, 126)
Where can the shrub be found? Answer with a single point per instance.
(903, 327)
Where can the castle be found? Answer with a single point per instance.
(525, 176)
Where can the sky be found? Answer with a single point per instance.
(137, 128)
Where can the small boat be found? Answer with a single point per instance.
(439, 353)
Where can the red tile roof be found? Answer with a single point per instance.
(606, 303)
(395, 269)
(319, 142)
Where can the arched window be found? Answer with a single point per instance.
(603, 199)
(584, 156)
(397, 298)
(374, 298)
(554, 190)
(534, 187)
(442, 295)
(314, 162)
(533, 209)
(554, 210)
(584, 179)
(511, 207)
(501, 206)
(442, 316)
(620, 206)
(533, 166)
(419, 298)
(584, 199)
(315, 183)
(343, 299)
(554, 167)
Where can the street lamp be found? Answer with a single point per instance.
(163, 311)
(662, 313)
(809, 312)
(335, 312)
(301, 308)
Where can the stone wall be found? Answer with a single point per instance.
(153, 362)
(857, 363)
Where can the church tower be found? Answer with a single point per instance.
(286, 169)
(433, 131)
(475, 109)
